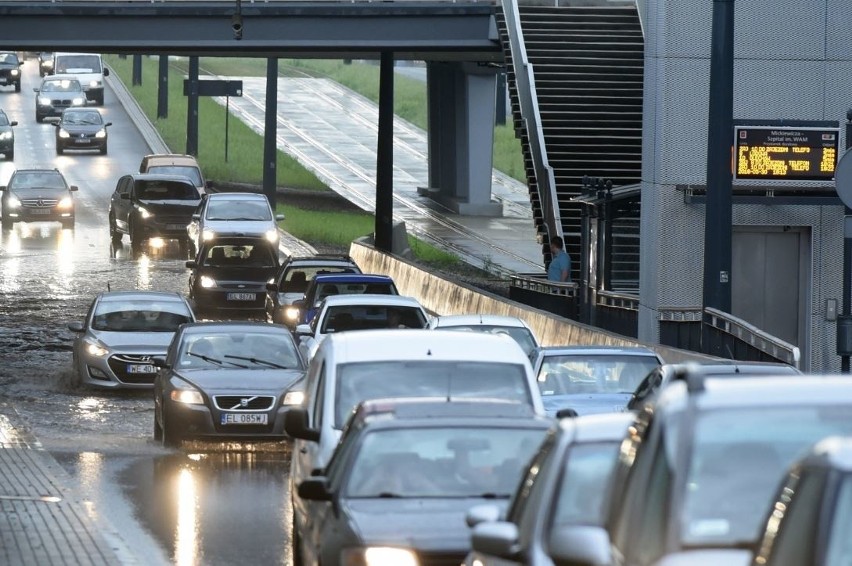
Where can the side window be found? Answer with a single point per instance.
(522, 494)
(796, 517)
(319, 398)
(89, 314)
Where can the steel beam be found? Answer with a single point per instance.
(163, 87)
(270, 132)
(192, 109)
(384, 162)
(136, 71)
(419, 30)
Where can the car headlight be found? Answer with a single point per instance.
(187, 396)
(94, 83)
(66, 202)
(293, 398)
(5, 135)
(144, 213)
(79, 101)
(13, 202)
(15, 72)
(63, 133)
(96, 349)
(101, 133)
(207, 235)
(47, 63)
(291, 313)
(378, 556)
(207, 282)
(272, 235)
(44, 100)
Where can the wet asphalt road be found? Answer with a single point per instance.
(200, 505)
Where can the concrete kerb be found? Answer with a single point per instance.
(445, 297)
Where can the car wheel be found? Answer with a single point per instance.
(114, 234)
(296, 545)
(59, 149)
(68, 223)
(10, 156)
(18, 87)
(104, 150)
(135, 235)
(158, 430)
(39, 119)
(6, 222)
(170, 437)
(99, 100)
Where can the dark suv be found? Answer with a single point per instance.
(7, 136)
(10, 70)
(37, 195)
(699, 467)
(230, 274)
(148, 206)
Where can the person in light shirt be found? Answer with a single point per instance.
(560, 266)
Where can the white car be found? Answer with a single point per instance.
(232, 214)
(88, 68)
(346, 313)
(353, 367)
(493, 324)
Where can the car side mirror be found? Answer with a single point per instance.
(76, 327)
(498, 539)
(13, 123)
(3, 188)
(36, 90)
(159, 361)
(576, 545)
(314, 489)
(296, 425)
(317, 472)
(482, 514)
(73, 188)
(106, 72)
(567, 413)
(125, 196)
(304, 330)
(272, 287)
(196, 216)
(191, 264)
(277, 216)
(108, 124)
(208, 185)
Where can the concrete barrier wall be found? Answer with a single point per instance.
(446, 297)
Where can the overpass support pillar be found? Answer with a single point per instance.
(136, 71)
(270, 133)
(384, 162)
(461, 111)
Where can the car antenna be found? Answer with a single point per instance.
(108, 287)
(731, 355)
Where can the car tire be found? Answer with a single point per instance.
(158, 430)
(103, 150)
(296, 546)
(6, 222)
(59, 149)
(39, 119)
(18, 87)
(99, 99)
(10, 156)
(114, 234)
(68, 224)
(170, 437)
(136, 239)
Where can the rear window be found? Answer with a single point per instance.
(369, 317)
(324, 290)
(78, 64)
(297, 278)
(190, 172)
(244, 255)
(165, 190)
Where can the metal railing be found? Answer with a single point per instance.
(540, 284)
(751, 338)
(528, 101)
(533, 289)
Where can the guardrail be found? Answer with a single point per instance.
(744, 341)
(537, 291)
(528, 101)
(617, 312)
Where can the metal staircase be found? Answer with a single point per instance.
(583, 66)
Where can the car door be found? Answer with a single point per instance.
(308, 344)
(120, 203)
(194, 228)
(305, 452)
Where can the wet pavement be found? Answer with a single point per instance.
(203, 504)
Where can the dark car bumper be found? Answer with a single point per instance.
(6, 78)
(169, 228)
(200, 422)
(230, 299)
(7, 145)
(26, 214)
(79, 142)
(52, 110)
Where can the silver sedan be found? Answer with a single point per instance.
(122, 332)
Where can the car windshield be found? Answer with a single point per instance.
(582, 488)
(521, 335)
(37, 180)
(240, 255)
(140, 316)
(451, 462)
(63, 85)
(840, 543)
(190, 172)
(78, 64)
(8, 59)
(297, 278)
(738, 458)
(165, 190)
(81, 118)
(4, 121)
(238, 349)
(371, 317)
(324, 290)
(362, 381)
(587, 374)
(238, 210)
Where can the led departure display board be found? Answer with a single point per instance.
(785, 153)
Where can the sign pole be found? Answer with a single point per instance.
(843, 184)
(227, 115)
(847, 255)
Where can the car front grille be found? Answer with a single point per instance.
(252, 402)
(118, 364)
(441, 558)
(39, 203)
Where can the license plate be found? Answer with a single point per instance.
(82, 141)
(241, 296)
(141, 368)
(40, 211)
(244, 418)
(175, 226)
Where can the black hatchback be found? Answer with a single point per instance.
(81, 128)
(150, 206)
(230, 275)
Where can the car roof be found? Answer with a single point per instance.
(734, 368)
(37, 170)
(116, 296)
(321, 260)
(171, 158)
(237, 196)
(834, 452)
(597, 428)
(233, 326)
(438, 407)
(161, 177)
(373, 300)
(420, 345)
(353, 278)
(596, 351)
(62, 77)
(785, 391)
(474, 319)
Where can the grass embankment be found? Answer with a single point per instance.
(244, 165)
(409, 96)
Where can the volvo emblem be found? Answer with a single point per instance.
(244, 402)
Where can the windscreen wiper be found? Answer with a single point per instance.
(258, 361)
(214, 360)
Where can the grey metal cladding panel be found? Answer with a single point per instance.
(838, 31)
(650, 127)
(683, 86)
(779, 29)
(649, 243)
(779, 89)
(682, 28)
(838, 91)
(681, 248)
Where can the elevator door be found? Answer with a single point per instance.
(769, 277)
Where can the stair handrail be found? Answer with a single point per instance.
(755, 337)
(531, 117)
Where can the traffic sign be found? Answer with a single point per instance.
(215, 88)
